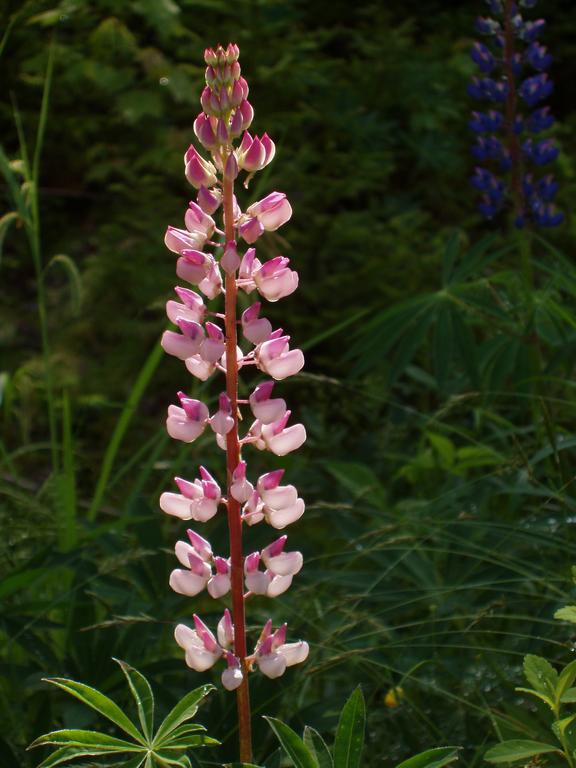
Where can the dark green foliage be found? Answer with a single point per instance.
(438, 394)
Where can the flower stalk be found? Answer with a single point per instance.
(234, 513)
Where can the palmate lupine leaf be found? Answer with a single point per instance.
(165, 748)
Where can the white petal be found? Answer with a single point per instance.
(231, 678)
(288, 440)
(272, 665)
(186, 431)
(177, 505)
(294, 653)
(200, 659)
(269, 411)
(257, 582)
(219, 585)
(278, 585)
(187, 583)
(182, 550)
(199, 368)
(280, 518)
(284, 564)
(281, 496)
(186, 637)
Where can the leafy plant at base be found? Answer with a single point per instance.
(165, 747)
(311, 751)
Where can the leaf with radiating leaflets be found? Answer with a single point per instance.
(292, 744)
(518, 749)
(349, 741)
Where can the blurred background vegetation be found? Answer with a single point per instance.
(438, 393)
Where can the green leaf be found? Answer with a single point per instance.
(185, 730)
(318, 748)
(569, 696)
(431, 758)
(546, 699)
(99, 702)
(5, 221)
(442, 344)
(74, 737)
(134, 762)
(184, 710)
(74, 280)
(565, 680)
(65, 754)
(186, 742)
(541, 675)
(517, 749)
(568, 613)
(241, 765)
(450, 255)
(143, 696)
(349, 741)
(292, 744)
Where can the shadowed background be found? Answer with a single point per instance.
(438, 392)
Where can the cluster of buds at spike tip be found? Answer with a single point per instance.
(512, 134)
(212, 259)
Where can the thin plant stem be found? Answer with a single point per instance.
(234, 516)
(36, 249)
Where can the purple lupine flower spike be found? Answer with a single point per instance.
(513, 78)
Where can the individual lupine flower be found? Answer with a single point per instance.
(232, 676)
(267, 214)
(265, 582)
(505, 61)
(202, 650)
(199, 172)
(195, 577)
(199, 228)
(275, 358)
(188, 422)
(256, 329)
(192, 307)
(253, 154)
(279, 505)
(241, 488)
(273, 654)
(266, 409)
(277, 437)
(209, 199)
(198, 500)
(184, 344)
(275, 280)
(200, 269)
(230, 261)
(222, 421)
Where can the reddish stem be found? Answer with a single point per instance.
(234, 515)
(511, 106)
